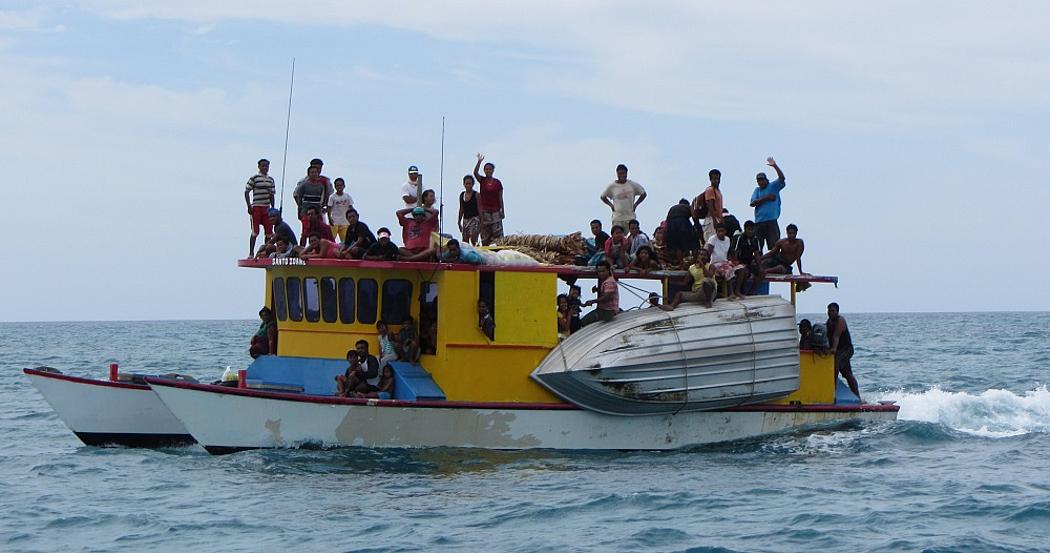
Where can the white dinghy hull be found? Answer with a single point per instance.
(651, 361)
(225, 420)
(101, 412)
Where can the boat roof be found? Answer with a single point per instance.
(570, 271)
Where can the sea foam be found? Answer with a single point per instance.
(992, 413)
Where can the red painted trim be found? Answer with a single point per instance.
(332, 400)
(89, 381)
(563, 270)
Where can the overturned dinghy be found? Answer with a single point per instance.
(650, 361)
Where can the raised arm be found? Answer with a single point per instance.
(477, 168)
(773, 163)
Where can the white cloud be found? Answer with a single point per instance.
(28, 20)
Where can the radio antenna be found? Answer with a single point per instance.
(441, 186)
(287, 128)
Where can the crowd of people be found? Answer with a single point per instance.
(701, 236)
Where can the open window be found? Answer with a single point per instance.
(313, 304)
(428, 318)
(397, 300)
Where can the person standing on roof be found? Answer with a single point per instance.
(841, 347)
(766, 201)
(261, 187)
(620, 197)
(413, 188)
(329, 189)
(311, 192)
(709, 203)
(490, 202)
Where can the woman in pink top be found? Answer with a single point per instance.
(320, 248)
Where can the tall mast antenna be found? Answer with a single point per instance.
(287, 128)
(441, 185)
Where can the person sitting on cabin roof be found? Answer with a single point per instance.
(636, 238)
(491, 209)
(564, 317)
(704, 286)
(281, 230)
(747, 249)
(654, 299)
(574, 307)
(616, 248)
(415, 230)
(261, 188)
(358, 237)
(786, 251)
(600, 236)
(320, 248)
(620, 197)
(731, 223)
(454, 254)
(644, 262)
(384, 389)
(383, 249)
(469, 217)
(725, 264)
(608, 299)
(408, 341)
(352, 383)
(410, 190)
(369, 363)
(486, 323)
(387, 344)
(679, 235)
(337, 206)
(314, 222)
(283, 249)
(264, 341)
(311, 191)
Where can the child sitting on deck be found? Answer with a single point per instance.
(644, 262)
(616, 248)
(387, 344)
(385, 388)
(353, 382)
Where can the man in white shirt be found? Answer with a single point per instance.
(620, 197)
(724, 263)
(411, 190)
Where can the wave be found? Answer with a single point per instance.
(992, 413)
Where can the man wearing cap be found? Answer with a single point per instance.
(261, 187)
(281, 231)
(415, 230)
(766, 201)
(620, 197)
(412, 190)
(490, 202)
(383, 249)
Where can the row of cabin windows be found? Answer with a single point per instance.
(345, 300)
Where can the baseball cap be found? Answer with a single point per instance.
(383, 232)
(413, 169)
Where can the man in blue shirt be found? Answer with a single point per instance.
(766, 201)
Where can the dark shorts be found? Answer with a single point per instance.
(842, 361)
(679, 235)
(776, 261)
(768, 232)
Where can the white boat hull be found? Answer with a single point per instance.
(101, 412)
(225, 420)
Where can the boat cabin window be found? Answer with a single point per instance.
(397, 300)
(346, 300)
(367, 300)
(428, 318)
(295, 299)
(329, 305)
(487, 294)
(313, 307)
(280, 306)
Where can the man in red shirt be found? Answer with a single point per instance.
(415, 230)
(490, 202)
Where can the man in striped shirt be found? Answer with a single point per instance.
(261, 188)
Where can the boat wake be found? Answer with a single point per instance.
(992, 413)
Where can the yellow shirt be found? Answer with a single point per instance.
(697, 271)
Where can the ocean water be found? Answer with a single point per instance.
(966, 468)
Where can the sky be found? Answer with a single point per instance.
(914, 136)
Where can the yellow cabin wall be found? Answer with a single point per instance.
(467, 365)
(816, 380)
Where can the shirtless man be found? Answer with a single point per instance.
(841, 347)
(785, 252)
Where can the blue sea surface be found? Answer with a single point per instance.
(965, 468)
